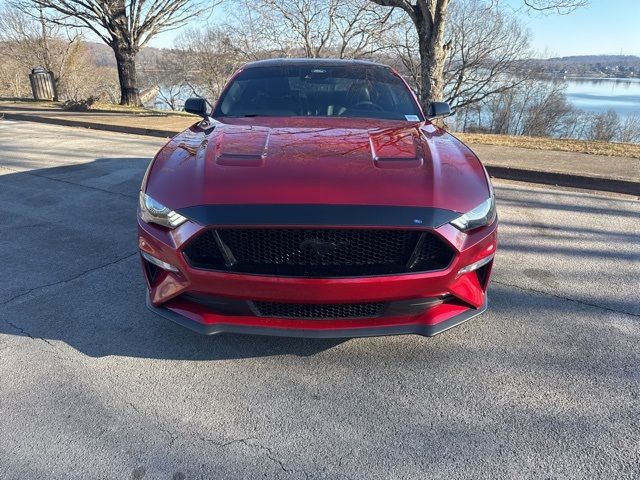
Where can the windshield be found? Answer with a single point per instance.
(332, 91)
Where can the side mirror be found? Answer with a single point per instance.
(438, 110)
(198, 106)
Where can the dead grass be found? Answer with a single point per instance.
(113, 108)
(558, 144)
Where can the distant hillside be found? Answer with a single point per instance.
(576, 65)
(590, 65)
(605, 59)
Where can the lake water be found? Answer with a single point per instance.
(601, 94)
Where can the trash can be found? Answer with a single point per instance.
(42, 84)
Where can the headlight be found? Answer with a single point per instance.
(152, 211)
(484, 214)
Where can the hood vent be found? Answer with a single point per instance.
(242, 147)
(396, 149)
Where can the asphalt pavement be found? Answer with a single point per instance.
(544, 385)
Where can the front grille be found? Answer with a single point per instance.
(319, 311)
(318, 252)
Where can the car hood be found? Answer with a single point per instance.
(310, 161)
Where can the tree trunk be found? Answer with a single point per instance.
(126, 62)
(433, 55)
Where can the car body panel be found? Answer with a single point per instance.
(318, 161)
(319, 172)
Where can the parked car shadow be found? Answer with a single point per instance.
(72, 271)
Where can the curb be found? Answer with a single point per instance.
(90, 125)
(506, 173)
(565, 180)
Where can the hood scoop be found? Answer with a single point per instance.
(242, 146)
(396, 149)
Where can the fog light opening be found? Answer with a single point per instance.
(475, 265)
(159, 263)
(151, 271)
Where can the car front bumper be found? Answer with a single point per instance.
(451, 298)
(312, 328)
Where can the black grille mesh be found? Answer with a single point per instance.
(319, 311)
(320, 252)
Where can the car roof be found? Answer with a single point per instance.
(307, 62)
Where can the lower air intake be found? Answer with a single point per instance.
(319, 311)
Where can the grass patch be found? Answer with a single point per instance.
(558, 144)
(113, 108)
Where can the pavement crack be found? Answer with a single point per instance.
(273, 458)
(26, 333)
(562, 297)
(66, 280)
(252, 442)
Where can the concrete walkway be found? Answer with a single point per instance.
(580, 170)
(623, 168)
(148, 123)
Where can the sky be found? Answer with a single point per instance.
(602, 27)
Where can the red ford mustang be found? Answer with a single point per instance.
(316, 199)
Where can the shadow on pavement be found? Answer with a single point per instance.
(72, 271)
(72, 274)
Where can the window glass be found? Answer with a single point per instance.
(332, 91)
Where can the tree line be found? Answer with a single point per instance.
(349, 28)
(471, 53)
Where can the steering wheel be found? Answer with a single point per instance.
(374, 106)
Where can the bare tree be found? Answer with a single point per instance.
(559, 6)
(34, 42)
(361, 29)
(488, 48)
(256, 29)
(304, 23)
(166, 78)
(209, 57)
(487, 52)
(429, 18)
(125, 25)
(318, 28)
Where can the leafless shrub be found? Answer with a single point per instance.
(79, 105)
(533, 108)
(603, 126)
(545, 110)
(26, 43)
(629, 130)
